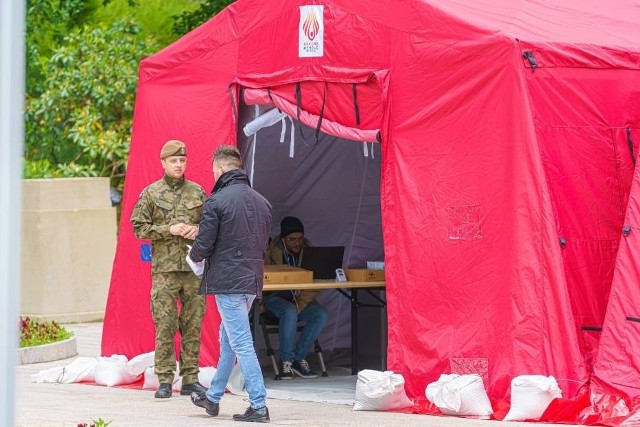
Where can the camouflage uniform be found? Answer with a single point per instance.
(166, 202)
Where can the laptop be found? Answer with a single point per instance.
(322, 260)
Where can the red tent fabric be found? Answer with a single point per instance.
(617, 367)
(509, 131)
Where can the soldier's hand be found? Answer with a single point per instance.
(178, 229)
(191, 232)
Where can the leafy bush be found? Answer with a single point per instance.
(33, 333)
(79, 123)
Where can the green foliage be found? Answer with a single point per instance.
(33, 333)
(82, 62)
(80, 122)
(47, 23)
(96, 423)
(155, 17)
(189, 20)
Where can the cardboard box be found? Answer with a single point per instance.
(286, 274)
(364, 275)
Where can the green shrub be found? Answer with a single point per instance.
(33, 332)
(78, 121)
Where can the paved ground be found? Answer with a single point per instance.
(40, 404)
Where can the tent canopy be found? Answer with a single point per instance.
(509, 131)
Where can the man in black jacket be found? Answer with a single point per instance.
(232, 238)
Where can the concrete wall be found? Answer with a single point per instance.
(68, 245)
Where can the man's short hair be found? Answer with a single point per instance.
(227, 155)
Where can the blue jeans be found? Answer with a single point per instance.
(236, 341)
(314, 317)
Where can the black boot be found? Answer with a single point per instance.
(164, 391)
(260, 415)
(200, 399)
(196, 387)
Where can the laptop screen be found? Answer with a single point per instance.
(322, 260)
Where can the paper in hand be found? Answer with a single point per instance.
(197, 267)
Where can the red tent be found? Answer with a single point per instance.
(508, 135)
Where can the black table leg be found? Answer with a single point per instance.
(354, 332)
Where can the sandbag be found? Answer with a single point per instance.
(112, 371)
(81, 369)
(530, 396)
(151, 381)
(460, 395)
(380, 391)
(235, 384)
(206, 374)
(139, 363)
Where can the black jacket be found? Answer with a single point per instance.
(233, 236)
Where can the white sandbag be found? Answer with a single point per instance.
(112, 371)
(81, 369)
(235, 384)
(461, 395)
(137, 365)
(530, 396)
(380, 391)
(205, 376)
(151, 381)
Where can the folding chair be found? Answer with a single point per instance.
(269, 325)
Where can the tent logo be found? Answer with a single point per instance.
(464, 222)
(311, 31)
(311, 26)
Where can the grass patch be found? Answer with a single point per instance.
(34, 333)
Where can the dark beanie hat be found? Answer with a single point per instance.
(290, 224)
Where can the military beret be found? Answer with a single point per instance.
(173, 147)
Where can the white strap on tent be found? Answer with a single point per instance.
(283, 121)
(267, 119)
(292, 140)
(256, 110)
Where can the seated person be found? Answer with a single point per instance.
(290, 307)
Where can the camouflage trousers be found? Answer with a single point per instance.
(166, 290)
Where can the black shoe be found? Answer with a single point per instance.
(164, 391)
(302, 369)
(200, 399)
(251, 415)
(285, 370)
(196, 387)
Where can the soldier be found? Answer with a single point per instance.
(168, 213)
